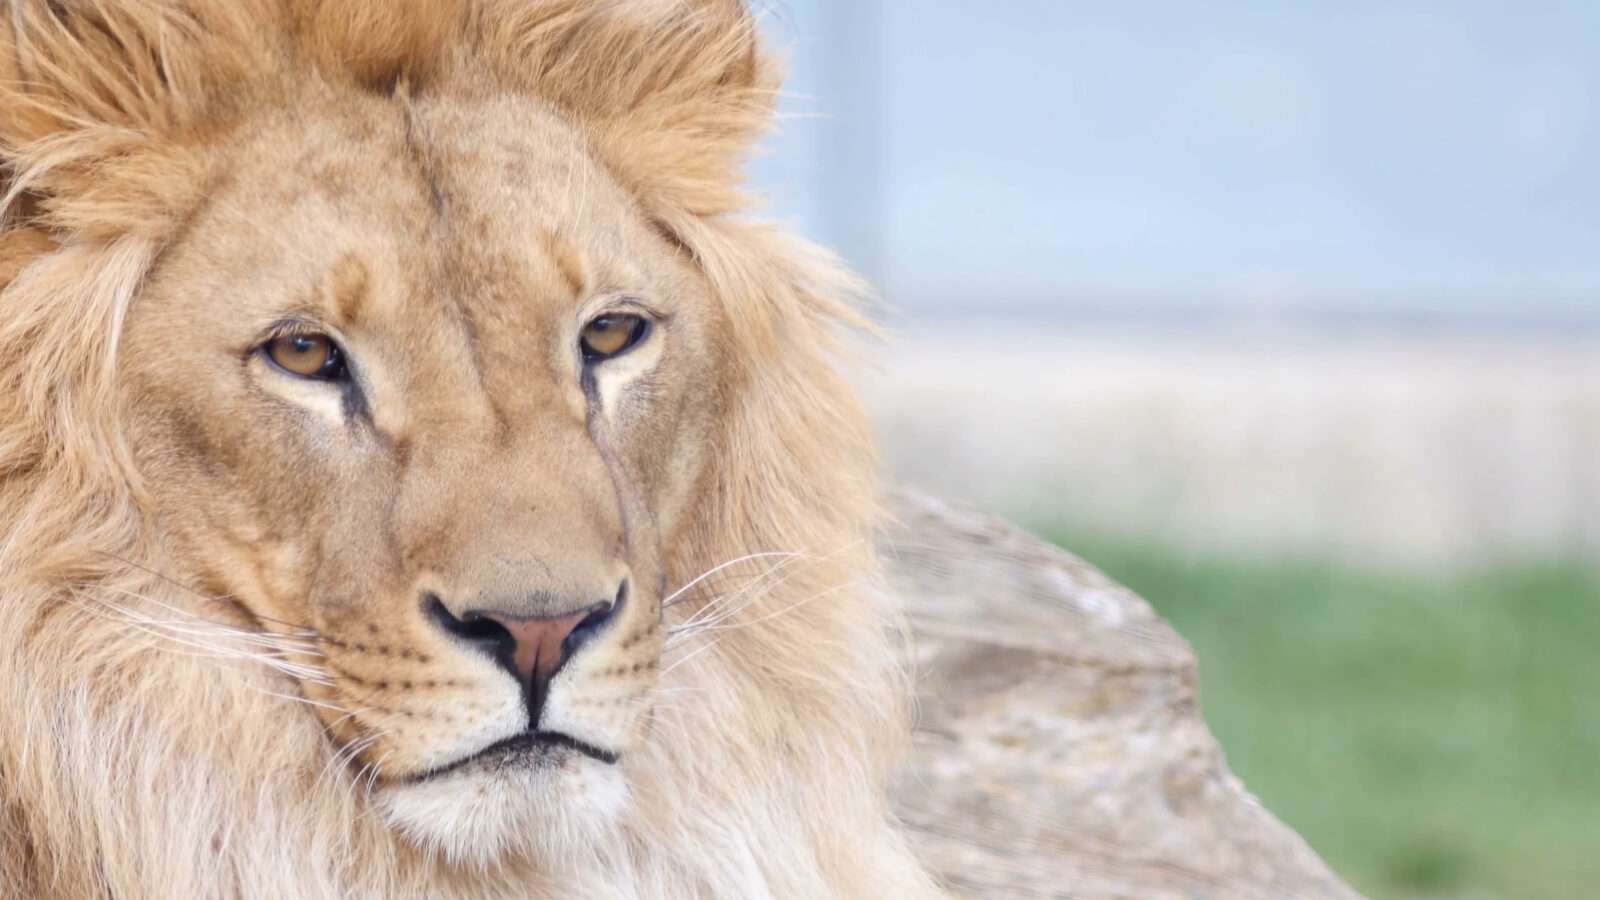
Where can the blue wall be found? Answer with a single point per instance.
(1366, 157)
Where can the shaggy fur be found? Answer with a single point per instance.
(177, 710)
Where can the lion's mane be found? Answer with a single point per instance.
(136, 764)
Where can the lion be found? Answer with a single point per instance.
(420, 474)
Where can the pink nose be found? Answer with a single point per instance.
(538, 645)
(531, 648)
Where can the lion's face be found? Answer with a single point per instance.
(419, 475)
(420, 384)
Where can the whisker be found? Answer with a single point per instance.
(673, 597)
(306, 700)
(766, 618)
(709, 645)
(347, 716)
(186, 637)
(720, 608)
(188, 629)
(716, 604)
(199, 650)
(710, 616)
(676, 691)
(345, 754)
(230, 600)
(355, 782)
(377, 769)
(298, 637)
(776, 613)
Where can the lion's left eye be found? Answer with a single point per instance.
(313, 356)
(612, 334)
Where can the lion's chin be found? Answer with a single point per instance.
(479, 815)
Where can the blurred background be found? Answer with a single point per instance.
(1287, 315)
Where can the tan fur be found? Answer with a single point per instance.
(216, 674)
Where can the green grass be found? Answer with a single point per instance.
(1433, 736)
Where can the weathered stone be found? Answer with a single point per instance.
(1060, 750)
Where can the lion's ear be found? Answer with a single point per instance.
(672, 92)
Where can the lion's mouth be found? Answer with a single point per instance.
(530, 748)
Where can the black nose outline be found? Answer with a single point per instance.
(483, 633)
(593, 624)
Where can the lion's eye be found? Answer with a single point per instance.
(307, 355)
(612, 335)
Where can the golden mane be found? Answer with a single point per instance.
(771, 784)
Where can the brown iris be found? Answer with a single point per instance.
(611, 335)
(307, 355)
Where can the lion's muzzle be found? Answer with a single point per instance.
(531, 637)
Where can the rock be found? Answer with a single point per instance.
(1059, 748)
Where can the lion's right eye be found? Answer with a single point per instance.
(611, 335)
(307, 356)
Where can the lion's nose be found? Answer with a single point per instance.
(531, 648)
(537, 646)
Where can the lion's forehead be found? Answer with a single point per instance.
(451, 236)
